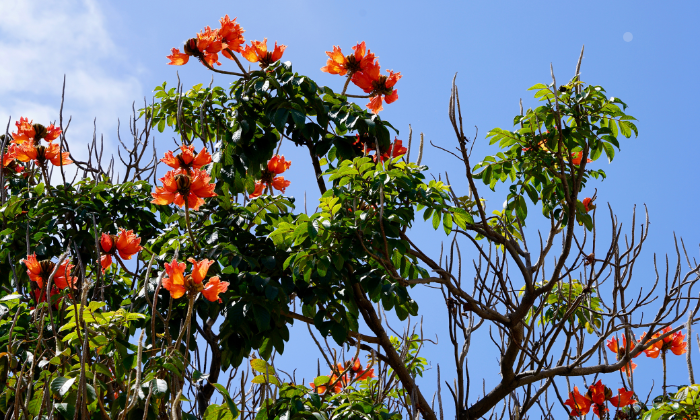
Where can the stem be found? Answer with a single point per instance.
(347, 82)
(203, 61)
(663, 360)
(245, 73)
(188, 321)
(189, 229)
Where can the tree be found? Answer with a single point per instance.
(91, 332)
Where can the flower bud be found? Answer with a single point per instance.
(108, 243)
(40, 131)
(192, 286)
(191, 47)
(41, 155)
(183, 183)
(46, 268)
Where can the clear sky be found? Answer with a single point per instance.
(113, 53)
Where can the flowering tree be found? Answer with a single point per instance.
(132, 298)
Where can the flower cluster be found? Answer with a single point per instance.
(26, 144)
(597, 397)
(207, 45)
(186, 184)
(270, 179)
(365, 72)
(343, 376)
(588, 204)
(576, 158)
(9, 155)
(126, 244)
(673, 342)
(620, 353)
(40, 271)
(39, 295)
(226, 40)
(257, 52)
(177, 283)
(396, 149)
(187, 159)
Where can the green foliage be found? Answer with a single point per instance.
(685, 404)
(298, 402)
(538, 158)
(562, 298)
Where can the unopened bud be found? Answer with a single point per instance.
(191, 47)
(46, 268)
(40, 132)
(183, 183)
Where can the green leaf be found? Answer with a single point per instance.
(436, 219)
(259, 365)
(66, 410)
(609, 151)
(260, 379)
(61, 385)
(229, 402)
(218, 412)
(321, 380)
(447, 223)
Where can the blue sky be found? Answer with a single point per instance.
(113, 53)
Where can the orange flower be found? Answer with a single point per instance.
(40, 271)
(128, 244)
(378, 86)
(52, 133)
(40, 154)
(395, 150)
(40, 296)
(9, 155)
(280, 184)
(620, 352)
(178, 184)
(208, 41)
(187, 159)
(25, 131)
(600, 410)
(231, 34)
(259, 189)
(580, 405)
(576, 158)
(363, 375)
(623, 399)
(178, 284)
(257, 52)
(275, 166)
(655, 348)
(199, 269)
(278, 164)
(321, 389)
(29, 132)
(340, 64)
(673, 342)
(588, 204)
(174, 282)
(677, 345)
(596, 392)
(213, 287)
(177, 58)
